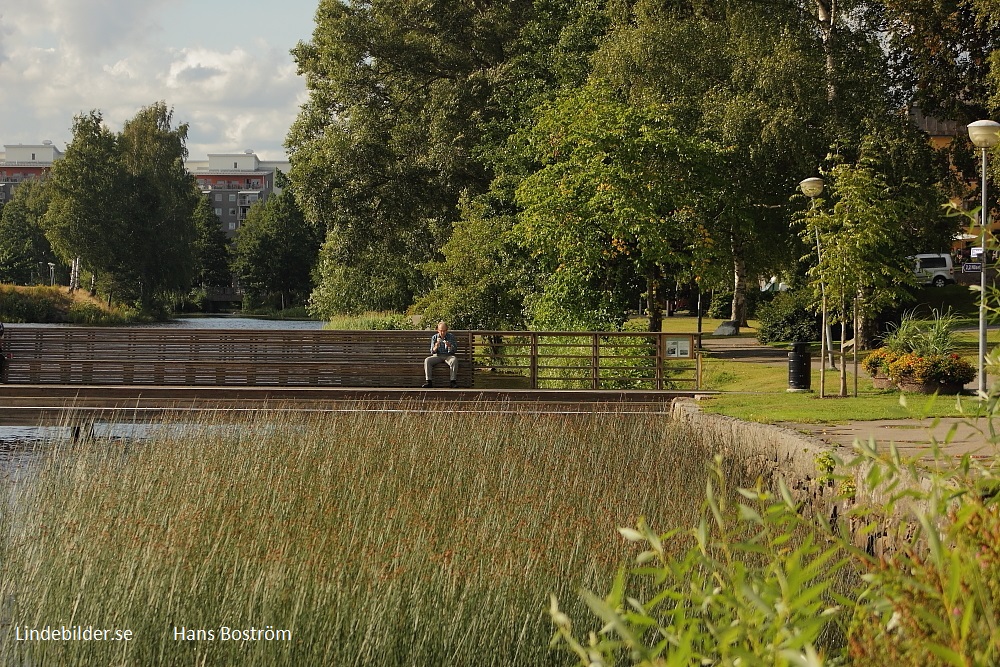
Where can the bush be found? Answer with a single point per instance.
(373, 320)
(877, 363)
(34, 304)
(787, 318)
(911, 335)
(949, 369)
(91, 314)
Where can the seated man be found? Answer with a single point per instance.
(443, 348)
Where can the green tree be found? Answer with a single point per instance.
(23, 246)
(211, 248)
(619, 191)
(747, 76)
(124, 203)
(387, 141)
(940, 53)
(485, 276)
(863, 249)
(275, 251)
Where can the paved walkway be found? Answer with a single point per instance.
(911, 436)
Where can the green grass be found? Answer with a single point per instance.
(758, 393)
(810, 409)
(376, 539)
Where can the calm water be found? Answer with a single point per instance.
(19, 445)
(214, 322)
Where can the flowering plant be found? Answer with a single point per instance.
(877, 363)
(944, 369)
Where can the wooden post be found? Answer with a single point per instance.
(533, 361)
(595, 362)
(660, 342)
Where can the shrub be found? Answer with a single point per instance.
(949, 369)
(373, 320)
(911, 335)
(787, 318)
(877, 362)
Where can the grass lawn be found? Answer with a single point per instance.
(757, 392)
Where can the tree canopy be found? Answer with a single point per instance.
(123, 203)
(560, 158)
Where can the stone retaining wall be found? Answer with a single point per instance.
(792, 456)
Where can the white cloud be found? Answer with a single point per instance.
(59, 58)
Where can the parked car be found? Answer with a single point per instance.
(934, 269)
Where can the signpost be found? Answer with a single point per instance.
(972, 267)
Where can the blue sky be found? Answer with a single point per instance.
(223, 67)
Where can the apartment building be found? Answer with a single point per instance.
(233, 182)
(22, 162)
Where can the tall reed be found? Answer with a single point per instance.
(373, 538)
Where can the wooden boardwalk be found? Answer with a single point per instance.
(41, 405)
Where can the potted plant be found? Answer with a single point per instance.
(876, 364)
(943, 373)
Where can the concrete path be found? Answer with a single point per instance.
(913, 437)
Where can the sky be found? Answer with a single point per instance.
(224, 68)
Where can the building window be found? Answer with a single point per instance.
(32, 157)
(218, 197)
(232, 197)
(236, 165)
(218, 212)
(232, 211)
(232, 226)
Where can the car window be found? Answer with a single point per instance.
(933, 262)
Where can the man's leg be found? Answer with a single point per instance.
(429, 364)
(453, 365)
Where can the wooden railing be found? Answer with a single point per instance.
(504, 359)
(588, 360)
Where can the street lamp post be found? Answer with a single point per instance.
(52, 274)
(812, 188)
(985, 134)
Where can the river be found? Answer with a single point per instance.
(19, 444)
(212, 322)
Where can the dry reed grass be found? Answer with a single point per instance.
(374, 538)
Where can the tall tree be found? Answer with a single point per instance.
(123, 203)
(619, 191)
(275, 251)
(23, 246)
(749, 77)
(386, 143)
(211, 248)
(940, 54)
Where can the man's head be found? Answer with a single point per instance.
(442, 328)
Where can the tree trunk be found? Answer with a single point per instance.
(739, 311)
(654, 307)
(826, 12)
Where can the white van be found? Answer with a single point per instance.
(934, 269)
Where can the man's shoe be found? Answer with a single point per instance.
(453, 384)
(427, 385)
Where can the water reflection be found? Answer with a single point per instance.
(213, 322)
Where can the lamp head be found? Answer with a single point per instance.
(811, 187)
(984, 133)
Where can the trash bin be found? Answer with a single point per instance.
(799, 367)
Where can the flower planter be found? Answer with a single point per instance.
(911, 387)
(880, 381)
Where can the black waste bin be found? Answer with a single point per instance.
(799, 367)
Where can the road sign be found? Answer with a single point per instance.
(972, 267)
